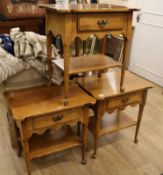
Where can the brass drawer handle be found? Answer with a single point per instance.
(57, 117)
(125, 99)
(102, 23)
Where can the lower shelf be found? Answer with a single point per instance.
(91, 62)
(111, 123)
(52, 141)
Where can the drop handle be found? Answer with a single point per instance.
(102, 23)
(57, 117)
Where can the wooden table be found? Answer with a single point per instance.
(80, 21)
(109, 99)
(36, 110)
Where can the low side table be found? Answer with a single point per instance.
(36, 110)
(109, 98)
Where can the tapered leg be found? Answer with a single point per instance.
(78, 128)
(84, 133)
(141, 109)
(99, 112)
(84, 47)
(103, 42)
(102, 50)
(77, 45)
(84, 138)
(97, 129)
(26, 150)
(125, 59)
(67, 56)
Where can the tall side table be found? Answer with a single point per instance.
(80, 21)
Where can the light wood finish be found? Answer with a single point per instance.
(107, 86)
(110, 123)
(117, 155)
(114, 21)
(51, 120)
(47, 143)
(88, 63)
(36, 111)
(44, 100)
(109, 98)
(81, 20)
(126, 99)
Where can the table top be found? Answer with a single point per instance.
(86, 8)
(43, 100)
(109, 84)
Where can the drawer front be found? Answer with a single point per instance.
(101, 22)
(57, 118)
(124, 100)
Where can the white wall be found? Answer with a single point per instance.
(146, 57)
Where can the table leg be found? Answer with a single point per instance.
(125, 54)
(26, 150)
(67, 56)
(127, 41)
(99, 112)
(84, 133)
(141, 109)
(84, 138)
(103, 43)
(84, 47)
(97, 129)
(102, 50)
(78, 128)
(77, 46)
(122, 89)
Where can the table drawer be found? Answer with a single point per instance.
(57, 118)
(94, 22)
(124, 100)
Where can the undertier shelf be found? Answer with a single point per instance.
(52, 141)
(88, 63)
(112, 123)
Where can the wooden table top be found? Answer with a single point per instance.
(109, 84)
(45, 100)
(83, 8)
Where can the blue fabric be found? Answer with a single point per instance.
(93, 1)
(7, 44)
